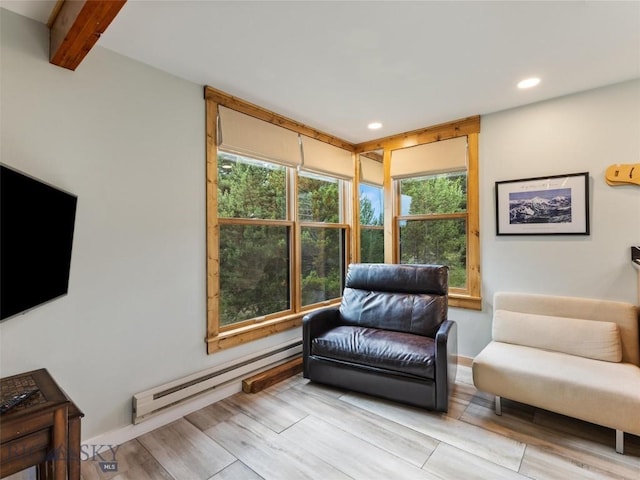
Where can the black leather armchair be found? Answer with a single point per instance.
(390, 336)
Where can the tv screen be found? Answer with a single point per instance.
(36, 236)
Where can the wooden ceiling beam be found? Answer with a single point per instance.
(77, 27)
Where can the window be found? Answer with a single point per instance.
(323, 265)
(281, 204)
(371, 203)
(436, 211)
(323, 238)
(433, 223)
(430, 189)
(278, 229)
(255, 239)
(371, 224)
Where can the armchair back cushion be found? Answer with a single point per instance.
(403, 298)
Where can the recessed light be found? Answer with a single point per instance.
(528, 82)
(374, 126)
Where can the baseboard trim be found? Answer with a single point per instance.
(465, 361)
(129, 432)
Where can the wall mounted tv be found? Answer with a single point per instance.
(36, 236)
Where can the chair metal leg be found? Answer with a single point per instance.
(498, 405)
(620, 442)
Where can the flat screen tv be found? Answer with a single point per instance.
(36, 236)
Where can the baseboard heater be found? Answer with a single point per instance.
(150, 402)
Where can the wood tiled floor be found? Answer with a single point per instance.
(297, 429)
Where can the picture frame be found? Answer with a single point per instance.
(554, 205)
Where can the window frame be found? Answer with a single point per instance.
(429, 217)
(469, 298)
(344, 196)
(253, 223)
(367, 227)
(221, 337)
(346, 254)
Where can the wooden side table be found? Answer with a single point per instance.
(44, 431)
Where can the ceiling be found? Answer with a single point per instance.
(336, 66)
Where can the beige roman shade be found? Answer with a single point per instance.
(371, 171)
(321, 157)
(436, 157)
(247, 135)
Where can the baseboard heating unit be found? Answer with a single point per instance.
(150, 402)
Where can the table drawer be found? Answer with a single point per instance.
(24, 452)
(16, 428)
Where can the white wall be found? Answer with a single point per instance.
(583, 132)
(129, 141)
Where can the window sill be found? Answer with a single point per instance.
(465, 301)
(249, 333)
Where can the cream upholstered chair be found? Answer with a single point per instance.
(575, 356)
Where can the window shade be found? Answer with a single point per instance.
(371, 171)
(437, 157)
(321, 157)
(246, 135)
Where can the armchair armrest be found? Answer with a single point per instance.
(446, 362)
(314, 324)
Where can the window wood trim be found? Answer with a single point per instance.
(213, 227)
(474, 300)
(465, 301)
(254, 222)
(470, 297)
(249, 333)
(444, 131)
(218, 338)
(221, 98)
(431, 216)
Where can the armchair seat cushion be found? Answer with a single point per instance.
(400, 352)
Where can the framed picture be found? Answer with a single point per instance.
(557, 205)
